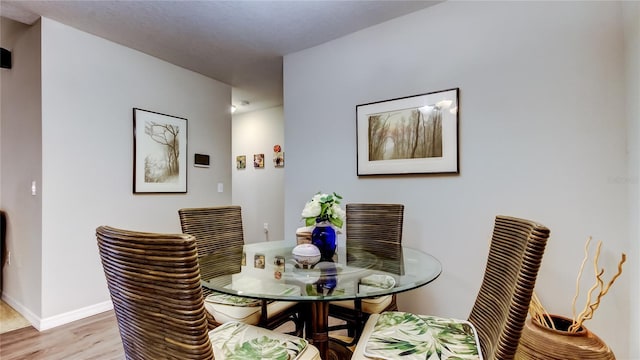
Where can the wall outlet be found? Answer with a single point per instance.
(266, 227)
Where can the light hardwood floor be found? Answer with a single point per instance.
(10, 319)
(95, 337)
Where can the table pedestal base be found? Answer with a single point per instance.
(319, 334)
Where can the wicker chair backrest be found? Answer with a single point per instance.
(377, 228)
(501, 306)
(154, 282)
(218, 231)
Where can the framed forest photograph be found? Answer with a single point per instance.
(159, 152)
(409, 135)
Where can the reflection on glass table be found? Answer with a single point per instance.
(269, 271)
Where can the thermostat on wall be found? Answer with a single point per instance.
(201, 160)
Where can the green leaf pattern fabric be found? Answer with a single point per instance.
(240, 341)
(420, 337)
(226, 299)
(380, 281)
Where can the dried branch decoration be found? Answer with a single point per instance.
(584, 261)
(590, 308)
(539, 313)
(541, 316)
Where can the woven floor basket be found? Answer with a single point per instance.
(538, 342)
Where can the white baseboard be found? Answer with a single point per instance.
(42, 324)
(71, 316)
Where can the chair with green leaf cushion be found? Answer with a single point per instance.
(220, 238)
(496, 320)
(154, 283)
(377, 229)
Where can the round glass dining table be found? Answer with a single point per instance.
(268, 270)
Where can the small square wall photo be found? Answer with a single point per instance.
(258, 261)
(258, 160)
(241, 161)
(278, 159)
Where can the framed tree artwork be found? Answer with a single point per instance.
(409, 135)
(160, 152)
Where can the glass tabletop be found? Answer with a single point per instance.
(268, 270)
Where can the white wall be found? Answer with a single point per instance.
(631, 12)
(542, 135)
(260, 192)
(89, 88)
(21, 161)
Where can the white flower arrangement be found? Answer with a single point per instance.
(324, 207)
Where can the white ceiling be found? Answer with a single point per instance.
(240, 43)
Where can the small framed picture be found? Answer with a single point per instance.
(241, 161)
(278, 159)
(258, 261)
(279, 267)
(258, 161)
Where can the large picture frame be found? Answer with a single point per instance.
(409, 135)
(159, 152)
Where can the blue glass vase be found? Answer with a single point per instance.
(323, 237)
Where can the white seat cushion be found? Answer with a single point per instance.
(370, 306)
(367, 284)
(394, 334)
(225, 308)
(237, 340)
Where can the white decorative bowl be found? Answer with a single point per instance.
(306, 254)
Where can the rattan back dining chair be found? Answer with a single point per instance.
(377, 229)
(220, 240)
(154, 283)
(500, 309)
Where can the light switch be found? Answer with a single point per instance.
(220, 187)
